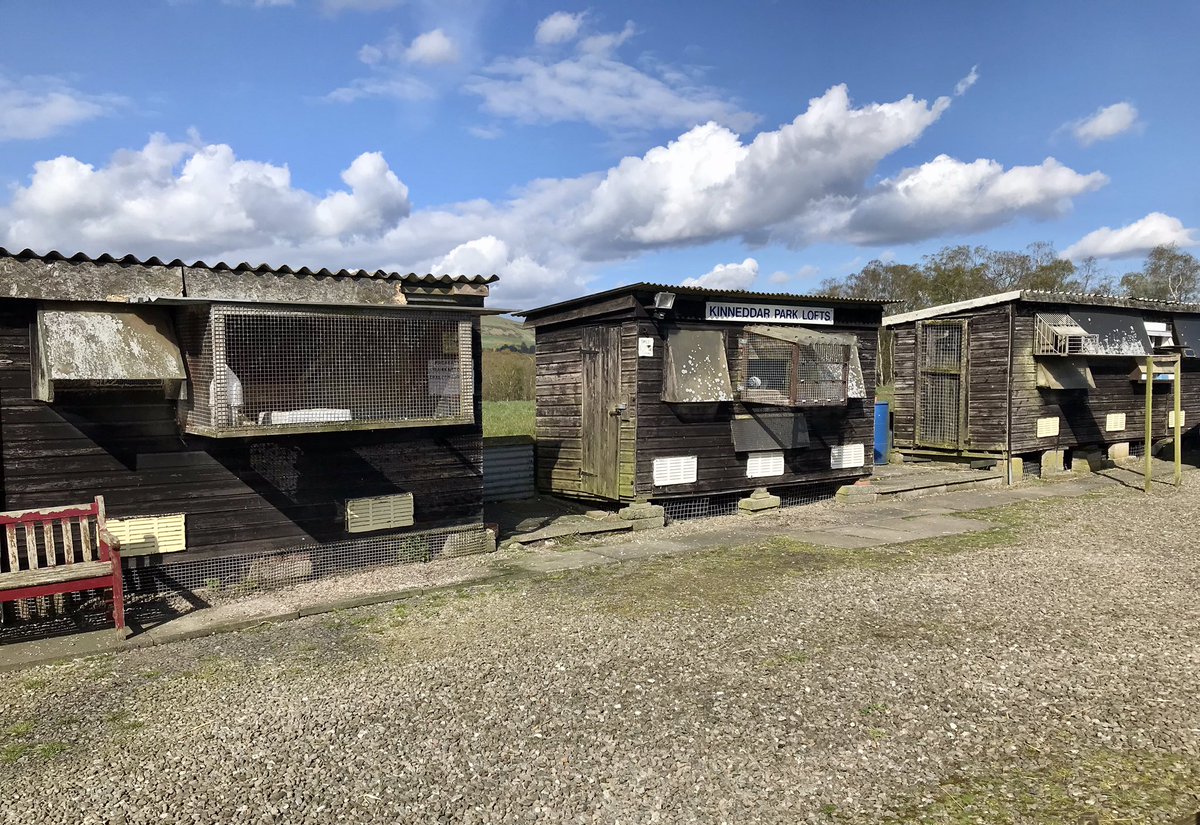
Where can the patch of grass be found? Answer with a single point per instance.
(1108, 785)
(502, 418)
(52, 749)
(122, 720)
(19, 730)
(13, 751)
(798, 657)
(873, 709)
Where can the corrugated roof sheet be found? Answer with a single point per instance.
(262, 269)
(704, 291)
(1044, 297)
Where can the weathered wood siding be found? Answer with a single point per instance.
(560, 404)
(704, 430)
(1082, 416)
(241, 495)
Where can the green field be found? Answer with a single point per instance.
(498, 331)
(507, 418)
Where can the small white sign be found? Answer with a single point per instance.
(1114, 422)
(1047, 427)
(1171, 419)
(847, 456)
(764, 465)
(443, 378)
(738, 312)
(645, 347)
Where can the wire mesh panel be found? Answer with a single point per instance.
(256, 369)
(1057, 333)
(802, 495)
(787, 373)
(942, 347)
(687, 509)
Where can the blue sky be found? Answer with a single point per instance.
(573, 147)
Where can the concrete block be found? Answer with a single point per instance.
(1016, 468)
(647, 523)
(641, 510)
(1118, 451)
(1085, 461)
(857, 494)
(1053, 462)
(758, 501)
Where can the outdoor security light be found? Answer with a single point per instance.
(664, 301)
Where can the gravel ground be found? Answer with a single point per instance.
(1038, 672)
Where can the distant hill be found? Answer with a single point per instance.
(499, 331)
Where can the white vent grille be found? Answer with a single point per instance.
(847, 456)
(763, 465)
(1114, 422)
(379, 513)
(1171, 419)
(1047, 427)
(147, 535)
(680, 469)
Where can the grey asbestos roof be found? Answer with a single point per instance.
(1041, 297)
(262, 269)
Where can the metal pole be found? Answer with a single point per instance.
(1147, 467)
(1178, 422)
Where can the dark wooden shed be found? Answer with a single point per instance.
(225, 412)
(1025, 372)
(659, 392)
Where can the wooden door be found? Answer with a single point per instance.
(941, 384)
(601, 424)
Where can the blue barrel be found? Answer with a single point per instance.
(883, 432)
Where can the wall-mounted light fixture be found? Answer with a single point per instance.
(664, 302)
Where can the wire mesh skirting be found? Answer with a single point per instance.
(240, 575)
(687, 509)
(805, 494)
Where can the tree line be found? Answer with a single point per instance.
(958, 273)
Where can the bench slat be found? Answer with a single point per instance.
(56, 575)
(48, 540)
(69, 540)
(14, 556)
(85, 538)
(31, 553)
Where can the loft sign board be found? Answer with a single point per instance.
(766, 313)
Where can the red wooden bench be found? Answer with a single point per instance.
(60, 550)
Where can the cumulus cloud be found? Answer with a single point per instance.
(595, 86)
(809, 181)
(948, 195)
(431, 48)
(1138, 238)
(37, 107)
(728, 276)
(804, 273)
(1105, 123)
(967, 82)
(558, 28)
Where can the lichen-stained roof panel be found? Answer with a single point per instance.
(106, 343)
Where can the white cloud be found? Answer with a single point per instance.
(728, 276)
(195, 199)
(486, 132)
(432, 47)
(594, 86)
(398, 88)
(948, 195)
(808, 181)
(967, 82)
(1105, 123)
(804, 273)
(37, 107)
(1138, 238)
(558, 28)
